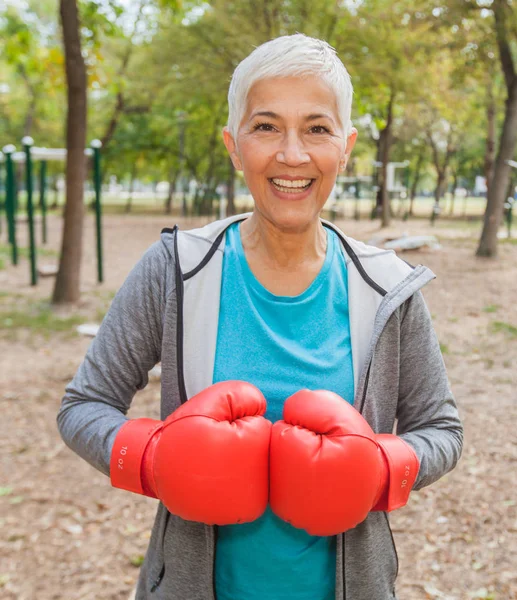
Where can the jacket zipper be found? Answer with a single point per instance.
(158, 580)
(181, 378)
(179, 333)
(161, 574)
(366, 381)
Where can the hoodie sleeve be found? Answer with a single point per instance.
(118, 360)
(427, 415)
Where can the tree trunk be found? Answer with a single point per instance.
(441, 170)
(497, 196)
(453, 195)
(438, 193)
(385, 157)
(29, 118)
(120, 104)
(414, 186)
(55, 189)
(490, 141)
(173, 178)
(129, 202)
(376, 212)
(67, 286)
(440, 184)
(112, 125)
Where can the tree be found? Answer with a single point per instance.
(32, 75)
(386, 52)
(483, 29)
(505, 17)
(67, 286)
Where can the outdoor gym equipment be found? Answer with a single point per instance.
(30, 153)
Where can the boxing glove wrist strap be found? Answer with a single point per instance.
(403, 468)
(128, 451)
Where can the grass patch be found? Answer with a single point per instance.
(444, 349)
(502, 327)
(491, 308)
(5, 254)
(137, 560)
(511, 241)
(39, 318)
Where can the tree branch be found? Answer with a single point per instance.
(507, 64)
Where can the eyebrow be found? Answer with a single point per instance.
(272, 115)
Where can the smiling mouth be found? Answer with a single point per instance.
(291, 187)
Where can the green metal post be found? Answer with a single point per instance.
(27, 143)
(10, 201)
(43, 199)
(2, 203)
(508, 205)
(96, 145)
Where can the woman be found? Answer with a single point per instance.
(246, 313)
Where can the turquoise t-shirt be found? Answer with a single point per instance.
(280, 344)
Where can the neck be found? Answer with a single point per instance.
(283, 249)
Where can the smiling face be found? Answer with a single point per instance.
(290, 146)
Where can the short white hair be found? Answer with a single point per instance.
(290, 56)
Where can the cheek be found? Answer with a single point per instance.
(255, 156)
(327, 157)
(329, 162)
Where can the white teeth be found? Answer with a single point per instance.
(285, 183)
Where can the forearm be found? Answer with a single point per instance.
(116, 364)
(427, 415)
(89, 428)
(438, 449)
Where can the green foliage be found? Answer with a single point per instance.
(491, 308)
(5, 254)
(38, 318)
(506, 328)
(149, 61)
(137, 560)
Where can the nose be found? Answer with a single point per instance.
(292, 151)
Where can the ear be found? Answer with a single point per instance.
(231, 146)
(350, 143)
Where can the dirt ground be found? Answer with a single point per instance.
(66, 534)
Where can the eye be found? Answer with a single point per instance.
(319, 129)
(263, 127)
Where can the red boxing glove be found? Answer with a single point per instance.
(208, 461)
(328, 468)
(324, 464)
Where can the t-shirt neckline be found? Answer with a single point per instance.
(253, 282)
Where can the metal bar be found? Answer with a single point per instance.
(10, 202)
(96, 145)
(27, 143)
(43, 199)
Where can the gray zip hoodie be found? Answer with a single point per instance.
(167, 310)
